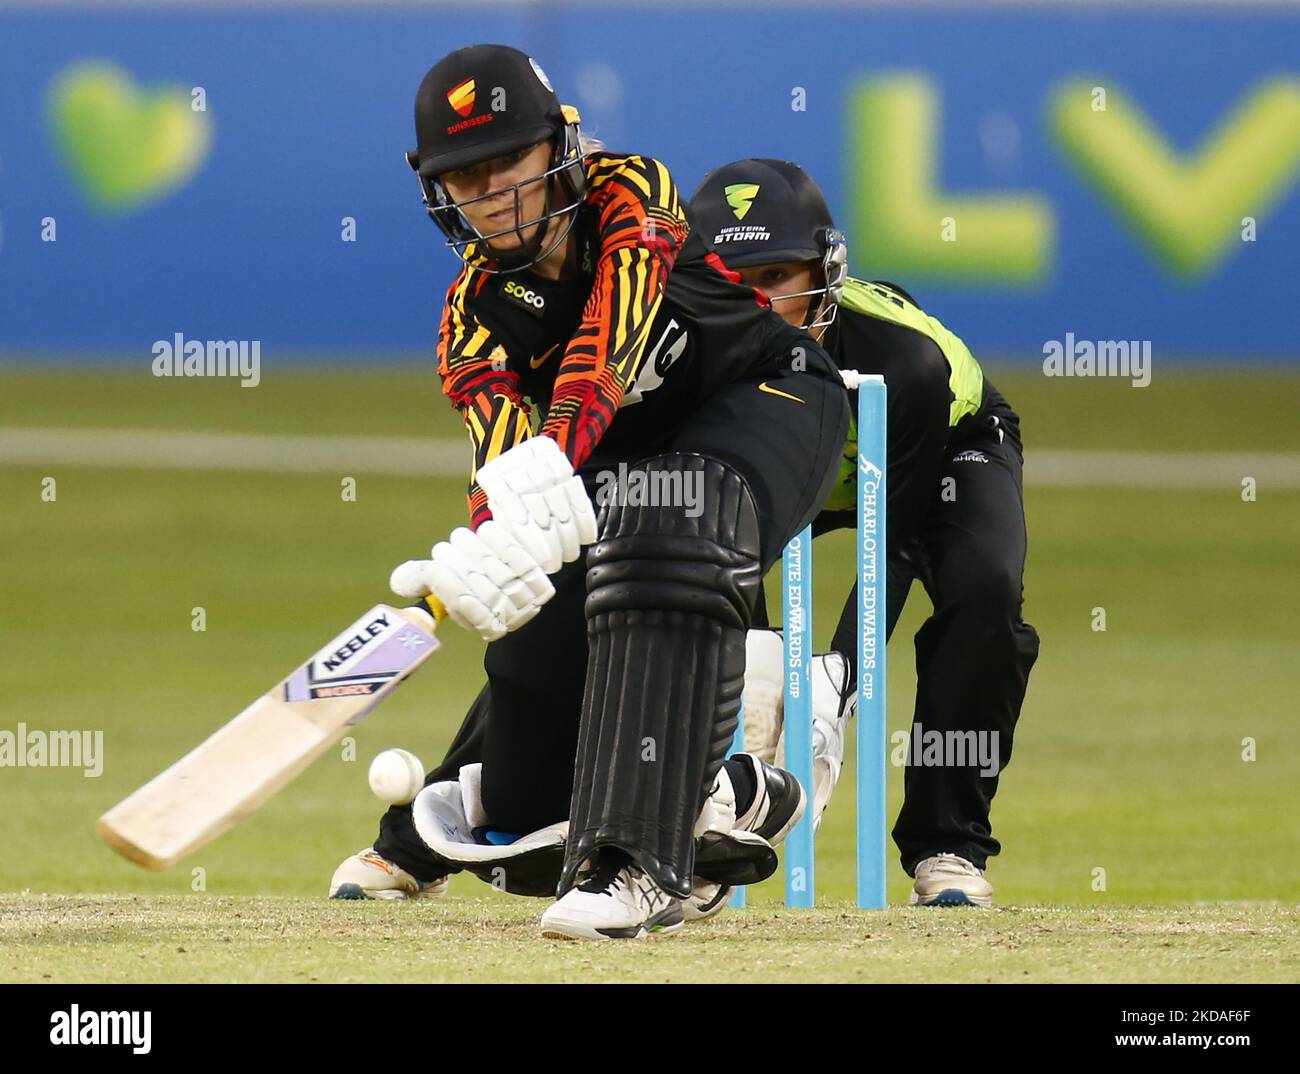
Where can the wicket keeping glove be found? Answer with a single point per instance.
(487, 580)
(533, 491)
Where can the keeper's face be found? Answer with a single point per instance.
(496, 178)
(783, 279)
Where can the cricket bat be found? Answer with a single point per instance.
(224, 779)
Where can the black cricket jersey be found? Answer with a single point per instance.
(937, 391)
(619, 354)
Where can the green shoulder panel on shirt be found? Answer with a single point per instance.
(844, 493)
(965, 377)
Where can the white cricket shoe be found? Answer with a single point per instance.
(617, 901)
(949, 880)
(707, 900)
(834, 704)
(366, 875)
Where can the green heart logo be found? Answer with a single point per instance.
(124, 146)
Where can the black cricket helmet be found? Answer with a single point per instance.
(762, 211)
(487, 101)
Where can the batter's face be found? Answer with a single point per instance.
(496, 177)
(786, 278)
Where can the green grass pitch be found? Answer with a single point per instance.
(1140, 841)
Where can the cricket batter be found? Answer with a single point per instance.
(599, 350)
(955, 516)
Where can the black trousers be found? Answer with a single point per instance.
(523, 726)
(975, 652)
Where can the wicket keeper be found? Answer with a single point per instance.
(956, 521)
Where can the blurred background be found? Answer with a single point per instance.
(235, 172)
(1123, 223)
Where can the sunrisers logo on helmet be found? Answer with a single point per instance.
(461, 98)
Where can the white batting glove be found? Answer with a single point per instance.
(834, 704)
(488, 581)
(533, 490)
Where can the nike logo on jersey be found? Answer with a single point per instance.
(764, 387)
(536, 363)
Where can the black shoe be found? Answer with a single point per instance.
(778, 802)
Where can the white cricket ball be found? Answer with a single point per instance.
(396, 776)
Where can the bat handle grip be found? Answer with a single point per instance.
(435, 606)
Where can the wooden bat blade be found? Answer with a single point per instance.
(229, 775)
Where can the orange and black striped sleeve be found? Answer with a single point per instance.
(642, 228)
(472, 364)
